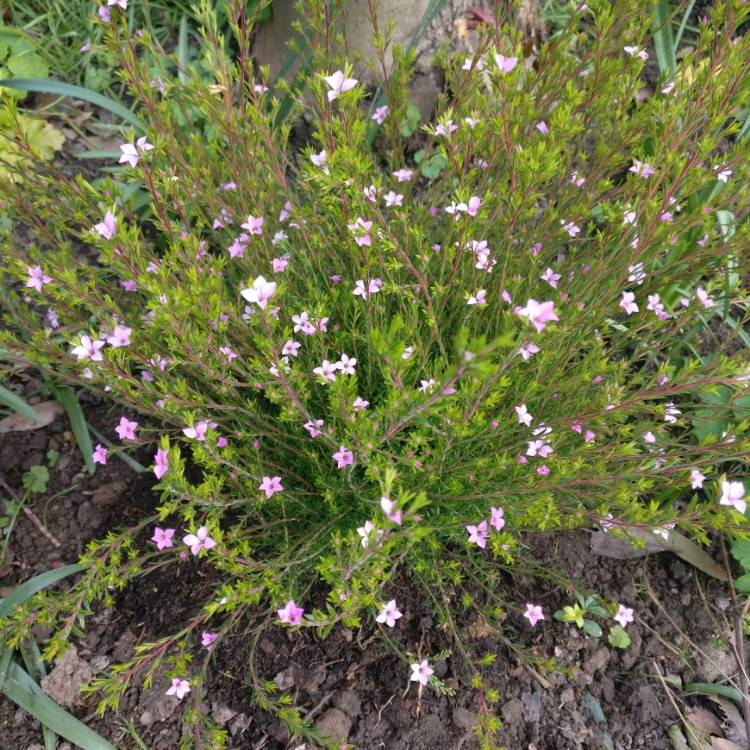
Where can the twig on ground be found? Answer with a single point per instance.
(43, 530)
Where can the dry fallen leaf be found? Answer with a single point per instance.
(47, 412)
(703, 719)
(719, 744)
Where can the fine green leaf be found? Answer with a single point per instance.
(24, 692)
(26, 590)
(8, 398)
(47, 86)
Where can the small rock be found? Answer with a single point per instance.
(567, 695)
(348, 701)
(532, 703)
(124, 647)
(63, 684)
(285, 679)
(36, 746)
(239, 724)
(441, 668)
(335, 724)
(109, 494)
(146, 718)
(463, 718)
(512, 712)
(222, 714)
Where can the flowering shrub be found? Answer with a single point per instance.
(375, 359)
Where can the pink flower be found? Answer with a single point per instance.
(542, 470)
(403, 175)
(291, 614)
(635, 52)
(446, 129)
(122, 3)
(641, 168)
(523, 415)
(420, 672)
(497, 519)
(389, 510)
(88, 349)
(207, 638)
(733, 493)
(656, 306)
(338, 83)
(373, 287)
(472, 207)
(271, 485)
(198, 541)
(260, 292)
(589, 436)
(126, 429)
(99, 456)
(389, 614)
(393, 199)
(163, 538)
(538, 448)
(320, 159)
(361, 231)
(480, 298)
(478, 534)
(541, 126)
(37, 278)
(107, 228)
(291, 348)
(528, 351)
(551, 277)
(703, 298)
(505, 64)
(538, 313)
(104, 14)
(627, 303)
(696, 479)
(198, 432)
(280, 264)
(132, 152)
(327, 370)
(624, 615)
(161, 463)
(180, 688)
(313, 427)
(380, 114)
(365, 531)
(346, 364)
(359, 404)
(343, 457)
(120, 336)
(254, 224)
(570, 227)
(533, 613)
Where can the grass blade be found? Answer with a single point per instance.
(709, 688)
(24, 692)
(182, 50)
(46, 86)
(683, 24)
(67, 398)
(32, 658)
(10, 399)
(26, 590)
(663, 38)
(98, 154)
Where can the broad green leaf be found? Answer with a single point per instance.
(10, 399)
(67, 398)
(26, 590)
(47, 86)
